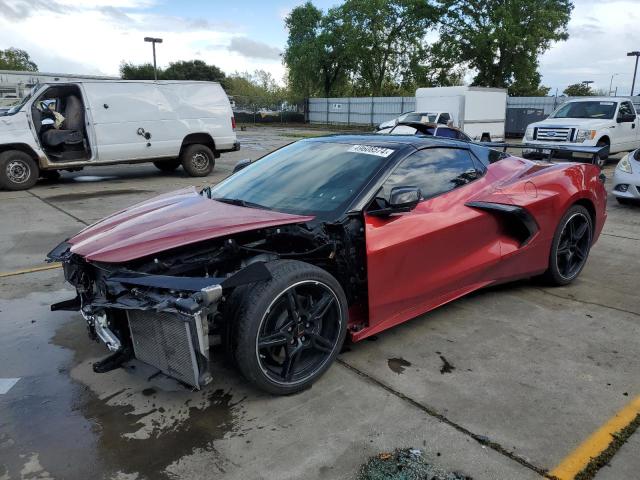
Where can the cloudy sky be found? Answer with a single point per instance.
(95, 36)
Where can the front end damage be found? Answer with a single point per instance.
(169, 309)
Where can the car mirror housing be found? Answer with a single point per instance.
(401, 199)
(245, 162)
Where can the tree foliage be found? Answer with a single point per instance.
(130, 71)
(502, 40)
(16, 59)
(578, 90)
(181, 70)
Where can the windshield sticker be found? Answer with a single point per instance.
(370, 150)
(606, 103)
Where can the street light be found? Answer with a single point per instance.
(611, 82)
(153, 42)
(634, 54)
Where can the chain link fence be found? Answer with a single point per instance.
(253, 110)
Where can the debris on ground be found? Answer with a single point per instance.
(404, 464)
(447, 367)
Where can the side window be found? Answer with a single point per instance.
(444, 118)
(434, 171)
(626, 108)
(446, 132)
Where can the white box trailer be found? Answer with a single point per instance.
(479, 111)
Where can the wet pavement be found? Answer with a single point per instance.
(502, 384)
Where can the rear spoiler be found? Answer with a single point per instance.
(550, 150)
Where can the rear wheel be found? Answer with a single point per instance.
(290, 328)
(167, 165)
(570, 247)
(18, 171)
(198, 160)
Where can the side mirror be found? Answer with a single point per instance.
(401, 199)
(626, 118)
(245, 162)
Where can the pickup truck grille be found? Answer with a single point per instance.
(554, 134)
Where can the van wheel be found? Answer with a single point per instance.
(198, 160)
(167, 165)
(18, 171)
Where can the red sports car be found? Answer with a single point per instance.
(322, 239)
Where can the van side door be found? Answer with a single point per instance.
(128, 120)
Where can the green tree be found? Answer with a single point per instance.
(193, 70)
(502, 40)
(578, 90)
(130, 71)
(386, 37)
(16, 59)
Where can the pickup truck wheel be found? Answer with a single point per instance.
(602, 159)
(167, 165)
(18, 171)
(290, 328)
(198, 160)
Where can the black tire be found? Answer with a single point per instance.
(275, 322)
(198, 160)
(602, 159)
(51, 175)
(485, 137)
(18, 171)
(167, 165)
(570, 247)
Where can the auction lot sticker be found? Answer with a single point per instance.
(370, 150)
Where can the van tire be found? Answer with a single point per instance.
(18, 171)
(198, 160)
(167, 165)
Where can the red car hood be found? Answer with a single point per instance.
(168, 221)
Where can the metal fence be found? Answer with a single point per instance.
(247, 109)
(521, 111)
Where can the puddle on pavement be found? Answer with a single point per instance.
(75, 428)
(68, 197)
(93, 178)
(398, 365)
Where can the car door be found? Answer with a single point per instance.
(627, 130)
(440, 250)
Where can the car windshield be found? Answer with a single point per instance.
(590, 109)
(306, 177)
(419, 117)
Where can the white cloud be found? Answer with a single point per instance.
(94, 37)
(601, 34)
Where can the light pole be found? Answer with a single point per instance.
(634, 54)
(153, 42)
(611, 82)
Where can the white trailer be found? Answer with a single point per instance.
(479, 111)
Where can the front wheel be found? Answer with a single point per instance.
(198, 160)
(18, 171)
(570, 247)
(290, 328)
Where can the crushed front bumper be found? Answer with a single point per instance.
(161, 320)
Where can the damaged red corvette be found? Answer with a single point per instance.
(322, 239)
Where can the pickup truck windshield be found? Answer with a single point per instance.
(306, 177)
(594, 109)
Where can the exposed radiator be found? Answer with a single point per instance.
(166, 341)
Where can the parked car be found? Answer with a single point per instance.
(480, 112)
(626, 179)
(590, 121)
(324, 239)
(67, 126)
(442, 118)
(431, 129)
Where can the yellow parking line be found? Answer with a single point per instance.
(51, 266)
(599, 440)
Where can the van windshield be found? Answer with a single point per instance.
(591, 109)
(16, 108)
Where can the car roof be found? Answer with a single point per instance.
(600, 99)
(383, 139)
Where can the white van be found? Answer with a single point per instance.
(68, 126)
(480, 112)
